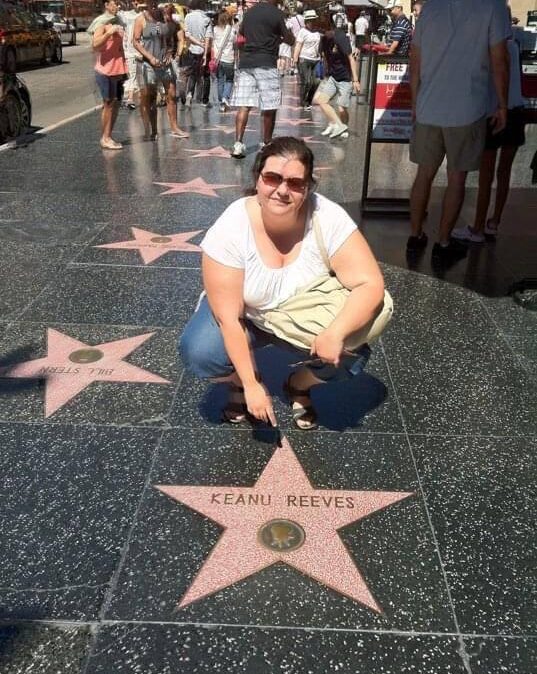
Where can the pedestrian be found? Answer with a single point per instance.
(199, 34)
(153, 38)
(507, 143)
(400, 31)
(306, 57)
(341, 78)
(110, 68)
(263, 252)
(295, 25)
(285, 54)
(180, 64)
(131, 85)
(257, 83)
(361, 28)
(224, 55)
(416, 9)
(457, 47)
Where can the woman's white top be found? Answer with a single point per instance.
(228, 53)
(310, 44)
(231, 242)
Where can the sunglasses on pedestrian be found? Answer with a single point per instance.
(273, 179)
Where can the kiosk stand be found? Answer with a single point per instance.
(390, 121)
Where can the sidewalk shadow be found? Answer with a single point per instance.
(340, 406)
(8, 385)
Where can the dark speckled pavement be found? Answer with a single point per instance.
(94, 560)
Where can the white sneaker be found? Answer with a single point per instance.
(345, 134)
(328, 130)
(239, 150)
(491, 228)
(466, 234)
(338, 130)
(188, 101)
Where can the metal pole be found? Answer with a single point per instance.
(371, 99)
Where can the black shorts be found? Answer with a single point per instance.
(512, 136)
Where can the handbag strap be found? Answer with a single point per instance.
(320, 241)
(223, 45)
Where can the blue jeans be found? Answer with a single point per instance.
(204, 355)
(225, 76)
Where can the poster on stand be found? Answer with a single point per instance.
(392, 114)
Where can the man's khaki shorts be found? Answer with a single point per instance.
(462, 145)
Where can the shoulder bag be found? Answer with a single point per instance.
(213, 63)
(300, 318)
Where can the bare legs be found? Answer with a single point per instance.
(269, 121)
(241, 120)
(148, 109)
(171, 108)
(419, 197)
(108, 119)
(452, 203)
(486, 178)
(302, 380)
(328, 110)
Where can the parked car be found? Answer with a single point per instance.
(66, 32)
(15, 107)
(26, 37)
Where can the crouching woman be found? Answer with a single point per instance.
(272, 266)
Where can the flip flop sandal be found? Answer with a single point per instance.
(235, 412)
(179, 134)
(304, 417)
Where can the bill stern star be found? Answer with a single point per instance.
(71, 365)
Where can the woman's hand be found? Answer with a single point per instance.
(328, 346)
(259, 403)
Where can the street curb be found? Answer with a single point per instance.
(19, 141)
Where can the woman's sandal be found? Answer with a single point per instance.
(304, 417)
(235, 412)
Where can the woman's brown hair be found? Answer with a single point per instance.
(284, 146)
(224, 19)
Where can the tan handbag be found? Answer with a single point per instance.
(303, 316)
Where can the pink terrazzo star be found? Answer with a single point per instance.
(152, 245)
(312, 139)
(217, 151)
(221, 127)
(282, 518)
(196, 186)
(294, 122)
(71, 365)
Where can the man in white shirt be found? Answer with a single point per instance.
(199, 33)
(361, 26)
(458, 46)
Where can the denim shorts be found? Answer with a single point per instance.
(111, 88)
(342, 90)
(146, 75)
(204, 355)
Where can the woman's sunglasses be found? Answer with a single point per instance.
(273, 179)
